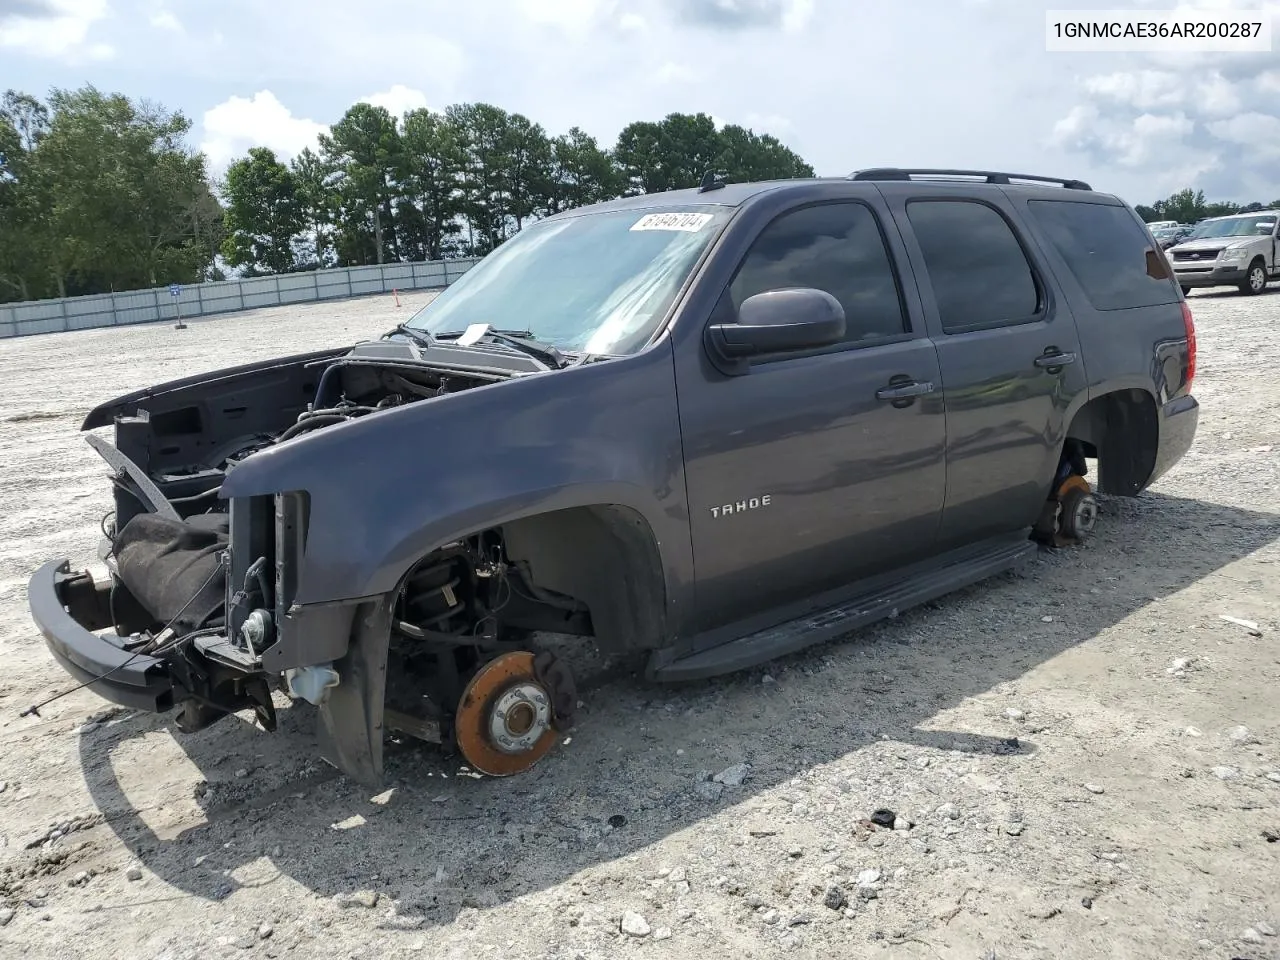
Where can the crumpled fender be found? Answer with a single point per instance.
(388, 488)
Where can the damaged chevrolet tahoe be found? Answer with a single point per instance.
(704, 428)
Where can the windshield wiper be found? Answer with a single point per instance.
(421, 337)
(522, 341)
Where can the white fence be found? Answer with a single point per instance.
(223, 296)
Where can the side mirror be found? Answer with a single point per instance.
(797, 318)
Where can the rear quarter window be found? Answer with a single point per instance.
(1109, 254)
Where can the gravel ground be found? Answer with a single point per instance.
(1082, 755)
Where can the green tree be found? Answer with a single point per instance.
(317, 206)
(23, 122)
(121, 202)
(99, 192)
(264, 214)
(677, 151)
(432, 164)
(638, 154)
(746, 156)
(363, 149)
(580, 173)
(690, 146)
(505, 176)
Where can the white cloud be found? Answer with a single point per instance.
(671, 72)
(1210, 119)
(398, 100)
(237, 124)
(1072, 131)
(1259, 132)
(56, 29)
(768, 123)
(796, 15)
(1127, 123)
(574, 17)
(1142, 89)
(164, 19)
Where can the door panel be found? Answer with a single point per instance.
(1009, 355)
(800, 478)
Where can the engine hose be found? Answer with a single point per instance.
(324, 380)
(314, 423)
(255, 571)
(350, 410)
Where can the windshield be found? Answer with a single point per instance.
(1250, 226)
(599, 283)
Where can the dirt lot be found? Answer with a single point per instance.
(1086, 748)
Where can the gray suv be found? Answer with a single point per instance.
(701, 428)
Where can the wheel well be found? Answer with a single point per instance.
(605, 557)
(1122, 431)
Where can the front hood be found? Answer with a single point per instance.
(127, 404)
(1214, 243)
(487, 361)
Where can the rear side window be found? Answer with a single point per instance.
(1109, 254)
(977, 268)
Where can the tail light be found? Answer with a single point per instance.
(1190, 326)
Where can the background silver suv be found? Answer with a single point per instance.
(1238, 251)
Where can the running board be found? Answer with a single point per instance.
(912, 587)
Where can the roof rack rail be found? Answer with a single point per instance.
(989, 176)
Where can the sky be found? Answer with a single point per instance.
(845, 83)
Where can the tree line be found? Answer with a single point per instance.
(102, 193)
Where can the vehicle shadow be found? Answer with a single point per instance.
(1219, 293)
(630, 775)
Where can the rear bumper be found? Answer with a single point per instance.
(1178, 421)
(67, 607)
(1215, 277)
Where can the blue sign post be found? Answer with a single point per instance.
(175, 291)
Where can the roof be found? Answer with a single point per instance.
(1243, 213)
(736, 194)
(729, 195)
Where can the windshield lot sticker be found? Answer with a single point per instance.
(689, 222)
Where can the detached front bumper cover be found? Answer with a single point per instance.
(66, 607)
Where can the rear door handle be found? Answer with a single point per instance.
(1054, 360)
(904, 391)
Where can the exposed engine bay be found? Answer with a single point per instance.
(207, 585)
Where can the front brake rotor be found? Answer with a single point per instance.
(506, 719)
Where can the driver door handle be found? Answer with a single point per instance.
(1050, 361)
(904, 391)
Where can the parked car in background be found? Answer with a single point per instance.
(1237, 250)
(1170, 235)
